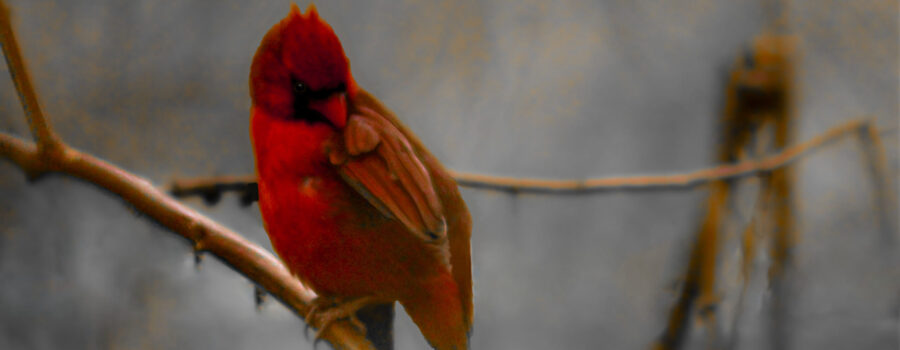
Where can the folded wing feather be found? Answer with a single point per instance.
(383, 167)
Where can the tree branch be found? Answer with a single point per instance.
(46, 138)
(212, 187)
(50, 154)
(206, 235)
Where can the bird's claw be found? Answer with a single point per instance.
(324, 312)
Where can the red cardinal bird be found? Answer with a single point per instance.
(353, 203)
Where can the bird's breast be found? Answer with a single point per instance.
(336, 242)
(309, 186)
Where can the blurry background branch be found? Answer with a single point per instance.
(50, 154)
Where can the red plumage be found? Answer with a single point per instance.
(352, 201)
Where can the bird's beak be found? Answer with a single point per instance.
(334, 108)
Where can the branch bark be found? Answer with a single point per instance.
(206, 235)
(50, 154)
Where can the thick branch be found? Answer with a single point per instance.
(211, 187)
(256, 263)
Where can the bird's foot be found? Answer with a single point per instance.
(325, 311)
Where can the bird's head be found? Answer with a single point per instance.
(300, 71)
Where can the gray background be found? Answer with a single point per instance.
(571, 89)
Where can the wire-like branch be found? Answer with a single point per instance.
(211, 187)
(52, 155)
(659, 182)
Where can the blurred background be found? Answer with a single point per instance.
(568, 89)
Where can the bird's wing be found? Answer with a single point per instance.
(455, 225)
(381, 165)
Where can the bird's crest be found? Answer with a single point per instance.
(302, 48)
(311, 12)
(310, 18)
(311, 48)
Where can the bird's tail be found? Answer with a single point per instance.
(438, 312)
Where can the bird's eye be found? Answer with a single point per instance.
(300, 87)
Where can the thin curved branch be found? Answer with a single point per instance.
(212, 187)
(666, 181)
(50, 154)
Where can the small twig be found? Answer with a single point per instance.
(205, 186)
(673, 336)
(44, 135)
(884, 193)
(211, 188)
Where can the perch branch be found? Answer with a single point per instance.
(51, 155)
(206, 235)
(211, 187)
